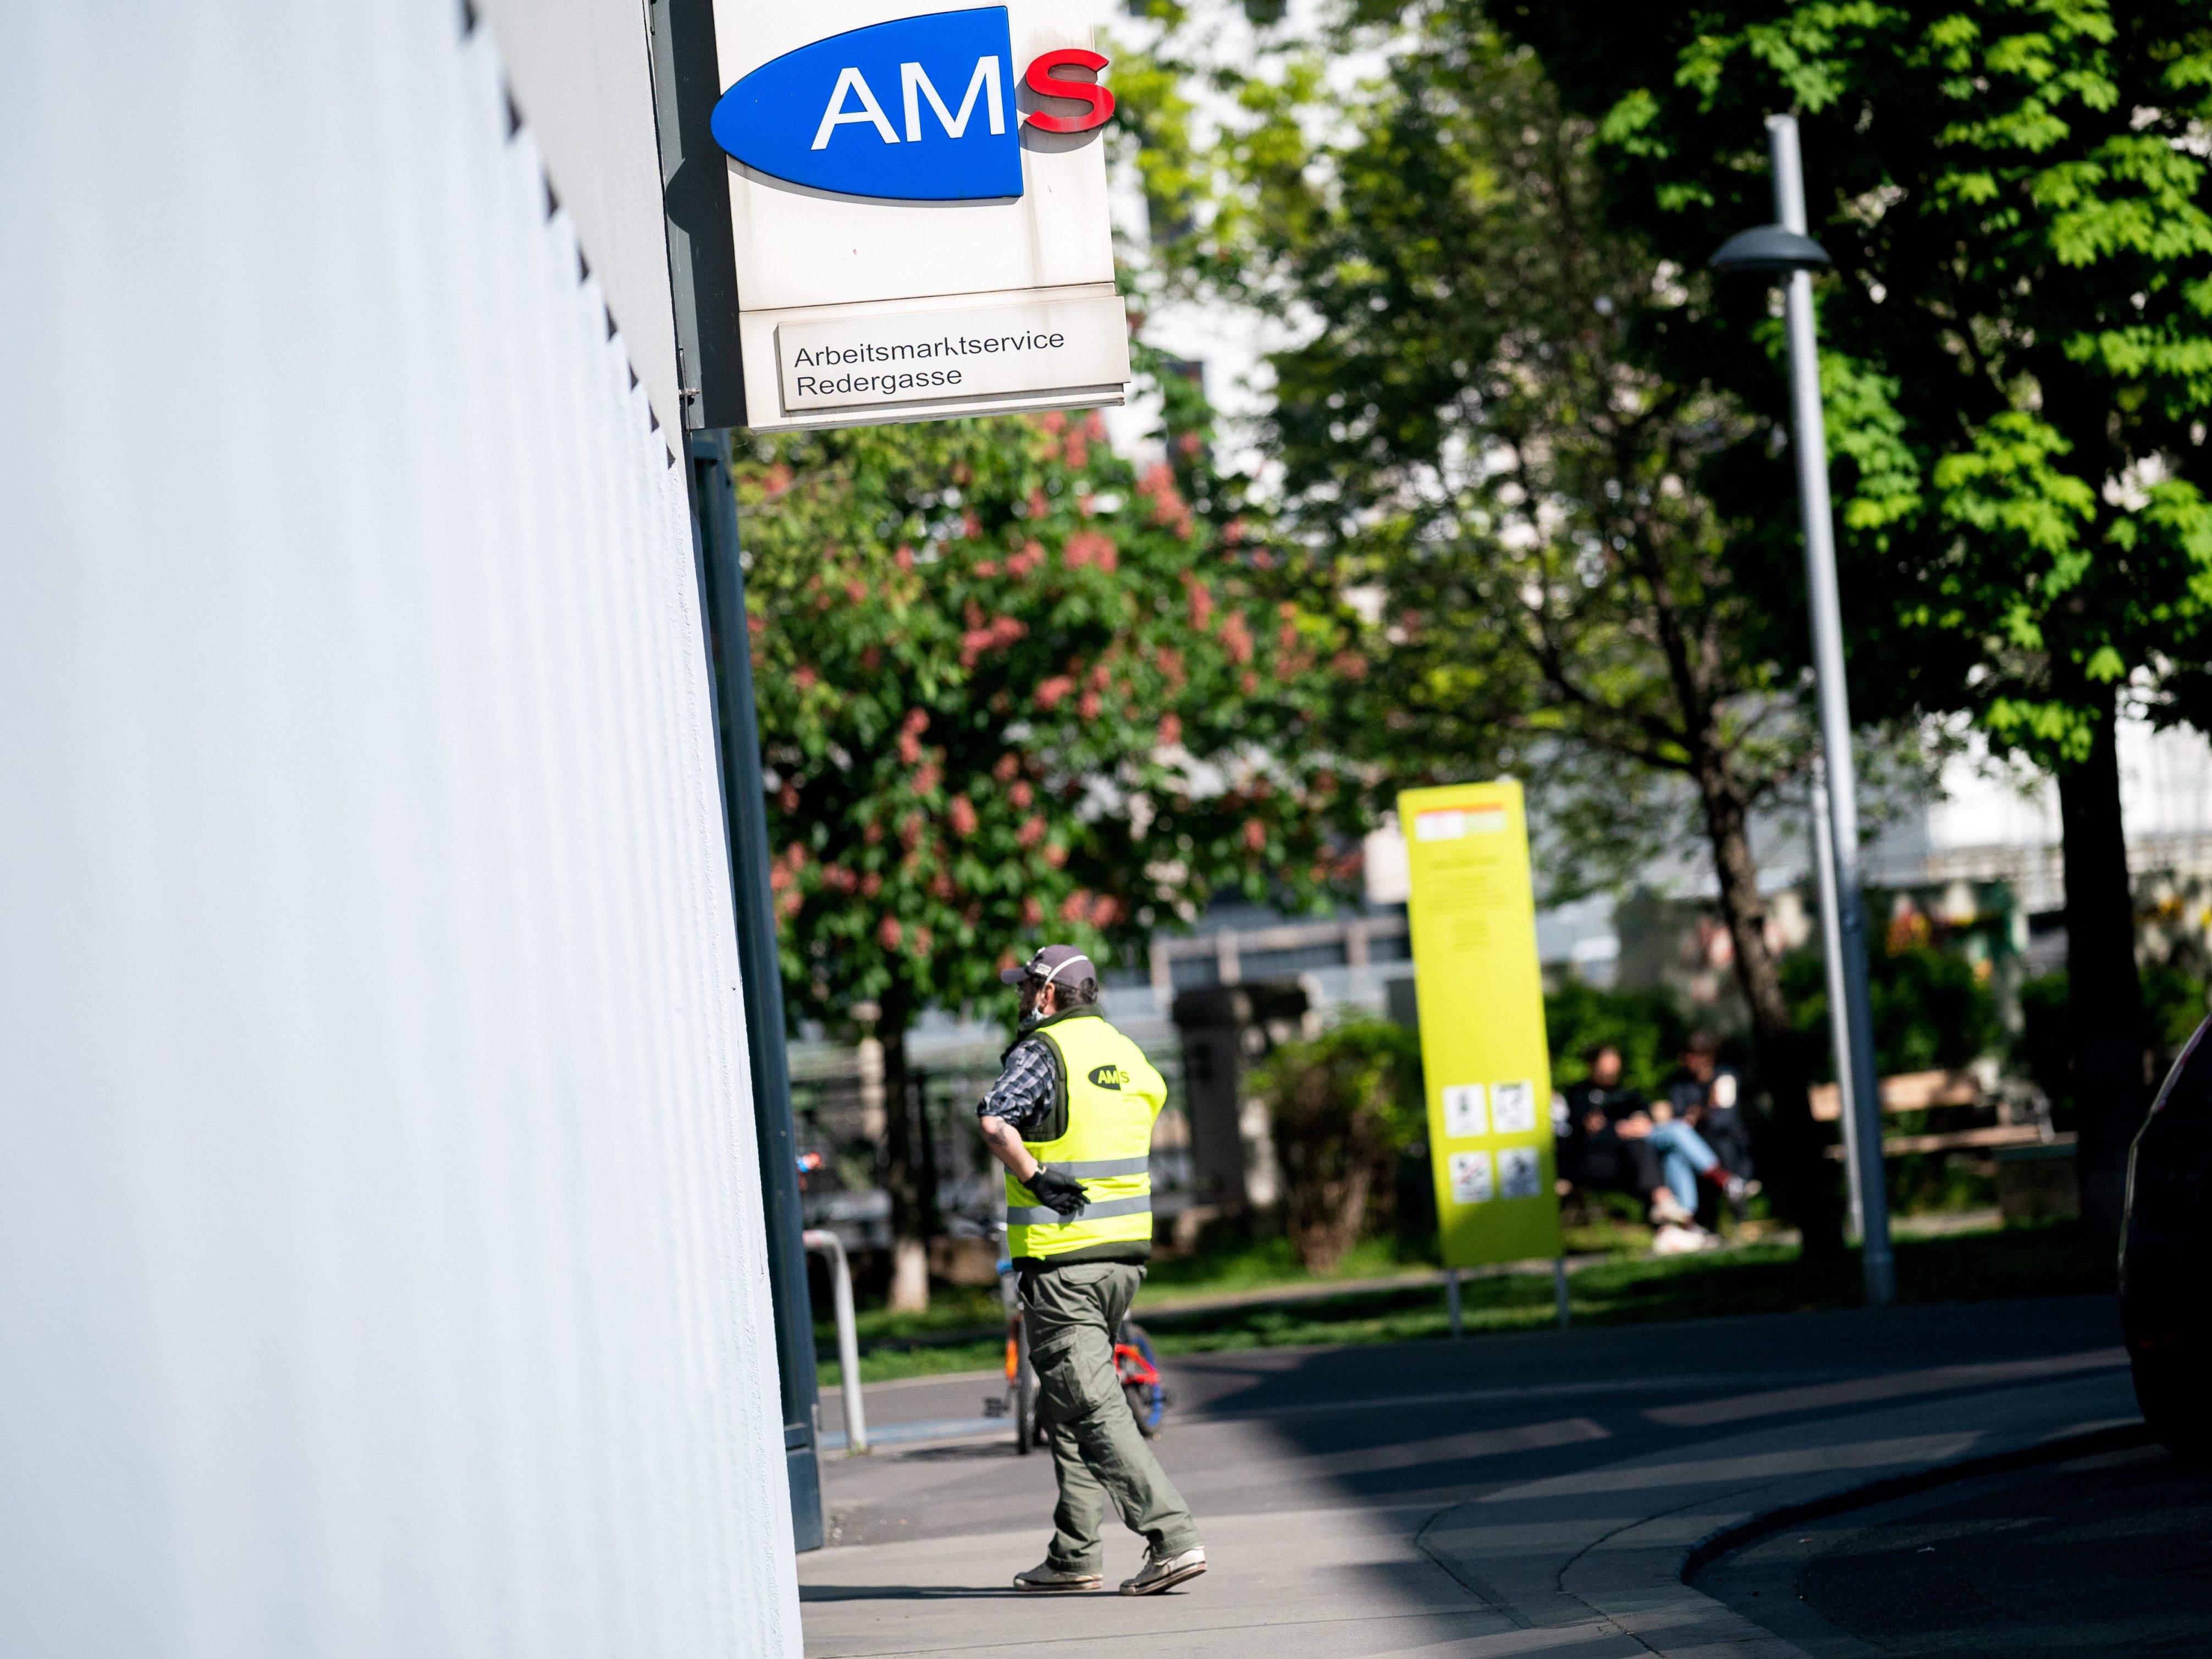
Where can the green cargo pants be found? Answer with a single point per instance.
(1096, 1452)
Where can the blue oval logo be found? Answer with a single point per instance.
(920, 109)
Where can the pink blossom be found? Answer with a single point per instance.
(1089, 547)
(1236, 638)
(1201, 602)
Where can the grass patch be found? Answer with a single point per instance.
(896, 1365)
(1222, 1268)
(2052, 1260)
(1752, 1279)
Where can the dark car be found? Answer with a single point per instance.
(2166, 1256)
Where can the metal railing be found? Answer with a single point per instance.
(848, 1336)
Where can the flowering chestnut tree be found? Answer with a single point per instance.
(1013, 689)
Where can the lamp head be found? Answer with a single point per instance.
(1769, 248)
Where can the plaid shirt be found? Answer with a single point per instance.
(1023, 1094)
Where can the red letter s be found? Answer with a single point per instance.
(1042, 81)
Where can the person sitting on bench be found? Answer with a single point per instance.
(1616, 1141)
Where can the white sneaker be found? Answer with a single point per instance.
(1047, 1576)
(1667, 1211)
(1682, 1240)
(1158, 1575)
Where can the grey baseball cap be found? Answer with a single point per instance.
(1055, 965)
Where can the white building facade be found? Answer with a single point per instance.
(381, 1258)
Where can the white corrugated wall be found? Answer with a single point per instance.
(380, 1256)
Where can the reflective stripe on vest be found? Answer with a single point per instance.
(1112, 1096)
(1040, 1215)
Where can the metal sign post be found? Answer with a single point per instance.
(722, 586)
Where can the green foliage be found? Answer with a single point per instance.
(1465, 429)
(2173, 1007)
(1341, 1105)
(1011, 689)
(1646, 1026)
(1931, 1009)
(2018, 202)
(1502, 484)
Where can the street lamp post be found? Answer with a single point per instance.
(1785, 249)
(1831, 951)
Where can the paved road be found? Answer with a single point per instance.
(2109, 1554)
(1507, 1494)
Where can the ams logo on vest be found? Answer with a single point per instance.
(872, 112)
(1110, 1076)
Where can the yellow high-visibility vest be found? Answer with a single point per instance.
(1106, 1095)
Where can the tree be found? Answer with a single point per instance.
(1011, 690)
(1487, 466)
(2019, 377)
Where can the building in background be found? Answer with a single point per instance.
(380, 1236)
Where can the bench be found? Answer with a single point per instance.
(1909, 1091)
(1920, 1092)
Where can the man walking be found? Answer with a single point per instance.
(1070, 1117)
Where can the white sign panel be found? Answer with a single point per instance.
(866, 362)
(1520, 1173)
(1470, 1178)
(1464, 1118)
(919, 202)
(1515, 1107)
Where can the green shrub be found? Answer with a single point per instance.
(1931, 1010)
(2173, 1007)
(1341, 1106)
(1644, 1025)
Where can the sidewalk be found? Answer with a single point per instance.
(1612, 1547)
(1553, 1514)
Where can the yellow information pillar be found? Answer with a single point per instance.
(1473, 917)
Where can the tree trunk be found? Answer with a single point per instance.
(2103, 992)
(1803, 1180)
(910, 1205)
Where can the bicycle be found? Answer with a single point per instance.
(1019, 1399)
(1137, 1369)
(1136, 1366)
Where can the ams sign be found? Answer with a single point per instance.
(920, 109)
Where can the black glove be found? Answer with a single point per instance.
(1063, 1193)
